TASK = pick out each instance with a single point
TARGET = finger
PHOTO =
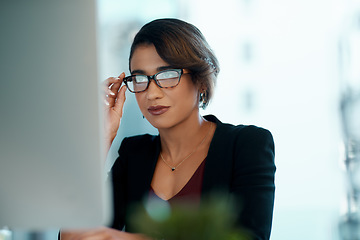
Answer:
(116, 85)
(105, 99)
(107, 85)
(112, 84)
(110, 100)
(107, 93)
(110, 89)
(111, 80)
(119, 104)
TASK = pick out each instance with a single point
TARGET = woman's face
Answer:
(163, 107)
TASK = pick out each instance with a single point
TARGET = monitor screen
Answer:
(51, 158)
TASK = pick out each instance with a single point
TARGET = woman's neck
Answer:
(177, 142)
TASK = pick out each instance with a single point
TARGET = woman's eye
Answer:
(141, 79)
(167, 75)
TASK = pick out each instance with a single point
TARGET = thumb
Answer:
(119, 104)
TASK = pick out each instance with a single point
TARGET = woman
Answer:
(173, 72)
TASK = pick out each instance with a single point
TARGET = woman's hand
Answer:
(113, 109)
(102, 233)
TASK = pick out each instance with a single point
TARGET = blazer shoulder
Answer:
(227, 135)
(253, 137)
(145, 141)
(141, 138)
(241, 129)
(252, 131)
(244, 131)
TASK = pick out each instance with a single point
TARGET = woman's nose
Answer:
(154, 91)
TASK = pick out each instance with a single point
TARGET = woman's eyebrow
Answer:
(142, 72)
(137, 72)
(164, 68)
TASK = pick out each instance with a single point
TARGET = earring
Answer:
(203, 98)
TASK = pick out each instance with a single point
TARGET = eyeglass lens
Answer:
(165, 79)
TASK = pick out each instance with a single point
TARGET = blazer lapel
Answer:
(141, 181)
(217, 174)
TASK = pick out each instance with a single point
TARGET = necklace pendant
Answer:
(173, 169)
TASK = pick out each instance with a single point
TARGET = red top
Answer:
(191, 192)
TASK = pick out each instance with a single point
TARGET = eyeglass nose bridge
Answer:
(155, 80)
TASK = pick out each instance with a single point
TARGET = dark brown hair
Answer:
(182, 45)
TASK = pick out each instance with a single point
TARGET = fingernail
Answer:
(106, 103)
(111, 93)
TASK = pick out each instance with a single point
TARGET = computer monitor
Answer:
(51, 158)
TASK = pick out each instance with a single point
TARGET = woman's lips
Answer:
(157, 110)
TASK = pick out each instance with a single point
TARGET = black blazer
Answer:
(240, 162)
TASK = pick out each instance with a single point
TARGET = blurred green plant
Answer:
(213, 220)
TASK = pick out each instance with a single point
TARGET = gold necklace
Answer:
(174, 168)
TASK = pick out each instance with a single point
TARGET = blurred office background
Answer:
(282, 69)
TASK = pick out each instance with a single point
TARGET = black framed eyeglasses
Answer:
(165, 79)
